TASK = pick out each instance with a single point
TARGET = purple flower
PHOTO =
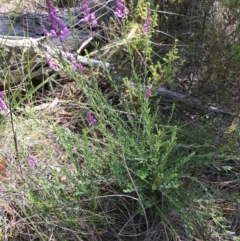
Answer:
(64, 32)
(77, 67)
(121, 11)
(33, 161)
(1, 190)
(91, 119)
(75, 64)
(88, 17)
(3, 105)
(146, 26)
(45, 32)
(129, 116)
(148, 92)
(53, 33)
(58, 27)
(72, 58)
(210, 223)
(52, 64)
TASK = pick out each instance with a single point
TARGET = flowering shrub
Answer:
(91, 119)
(33, 161)
(89, 18)
(147, 24)
(74, 64)
(129, 117)
(121, 11)
(59, 30)
(148, 92)
(52, 63)
(58, 27)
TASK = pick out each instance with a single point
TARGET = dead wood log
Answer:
(171, 96)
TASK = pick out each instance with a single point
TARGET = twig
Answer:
(14, 135)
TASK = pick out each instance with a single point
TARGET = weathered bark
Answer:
(25, 25)
(29, 24)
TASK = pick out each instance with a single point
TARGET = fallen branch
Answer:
(177, 97)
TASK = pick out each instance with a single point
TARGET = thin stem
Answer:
(14, 134)
(139, 198)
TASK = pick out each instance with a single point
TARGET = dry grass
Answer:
(35, 137)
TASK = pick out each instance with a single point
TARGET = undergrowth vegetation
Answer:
(128, 153)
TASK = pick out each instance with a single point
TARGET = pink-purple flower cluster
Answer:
(89, 18)
(33, 161)
(53, 64)
(121, 11)
(147, 25)
(3, 105)
(148, 92)
(75, 64)
(1, 190)
(91, 119)
(58, 27)
(129, 116)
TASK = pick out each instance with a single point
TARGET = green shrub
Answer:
(128, 162)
